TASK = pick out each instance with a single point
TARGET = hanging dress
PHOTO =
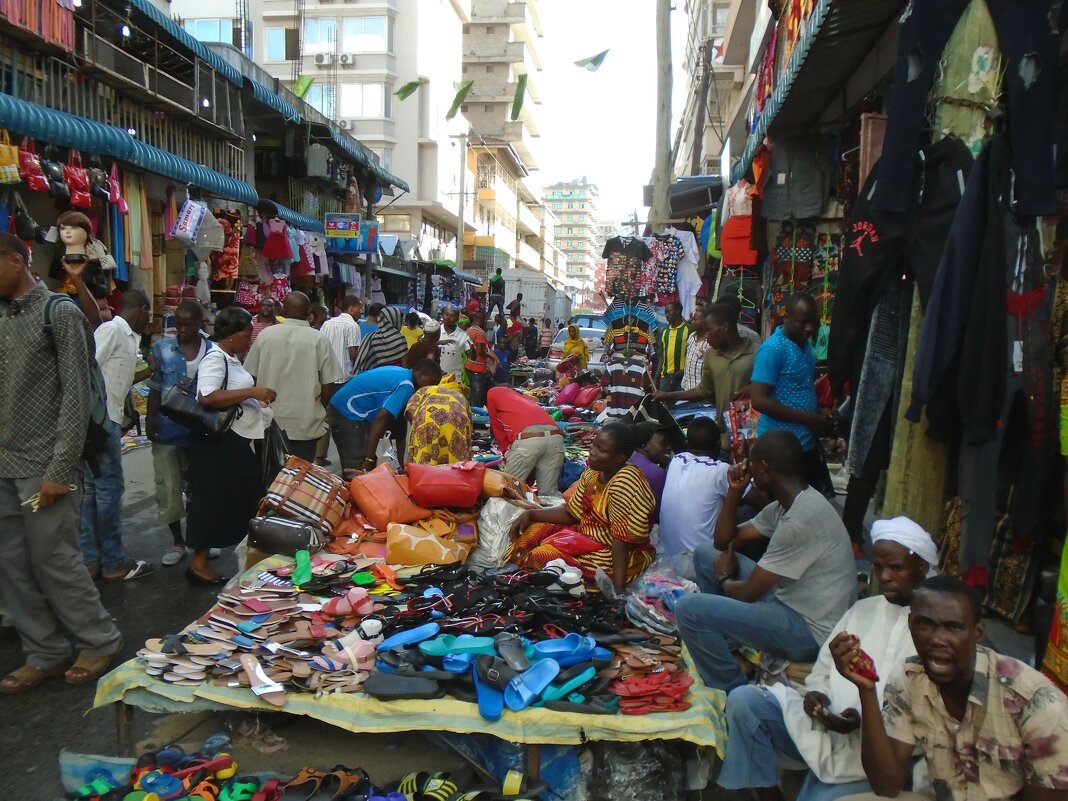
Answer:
(277, 244)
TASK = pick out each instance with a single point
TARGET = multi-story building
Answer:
(719, 77)
(498, 48)
(575, 205)
(357, 53)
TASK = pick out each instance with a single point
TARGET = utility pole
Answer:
(463, 200)
(699, 118)
(661, 211)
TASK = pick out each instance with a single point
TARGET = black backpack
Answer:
(96, 436)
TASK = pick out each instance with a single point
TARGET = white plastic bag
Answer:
(187, 225)
(210, 237)
(494, 523)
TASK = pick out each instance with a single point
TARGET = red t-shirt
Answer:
(511, 412)
(515, 327)
(476, 363)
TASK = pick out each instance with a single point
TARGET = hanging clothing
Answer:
(377, 295)
(276, 246)
(384, 346)
(625, 258)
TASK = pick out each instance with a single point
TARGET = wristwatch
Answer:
(724, 577)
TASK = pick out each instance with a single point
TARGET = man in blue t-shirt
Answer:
(375, 400)
(783, 386)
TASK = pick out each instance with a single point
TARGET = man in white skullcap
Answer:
(818, 727)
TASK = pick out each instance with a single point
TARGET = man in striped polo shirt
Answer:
(673, 348)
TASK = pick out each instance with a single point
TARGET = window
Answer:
(320, 34)
(571, 230)
(367, 35)
(322, 99)
(396, 223)
(211, 30)
(276, 44)
(365, 100)
(571, 205)
(386, 156)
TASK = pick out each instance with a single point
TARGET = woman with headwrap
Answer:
(386, 346)
(575, 345)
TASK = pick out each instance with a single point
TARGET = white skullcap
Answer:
(907, 534)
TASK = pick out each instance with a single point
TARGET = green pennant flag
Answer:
(409, 88)
(462, 88)
(520, 93)
(302, 84)
(593, 63)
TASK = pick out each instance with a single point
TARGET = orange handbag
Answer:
(380, 497)
(457, 485)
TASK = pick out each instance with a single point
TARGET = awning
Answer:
(468, 278)
(67, 130)
(272, 99)
(393, 271)
(837, 37)
(298, 220)
(232, 74)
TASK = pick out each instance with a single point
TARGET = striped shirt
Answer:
(343, 333)
(695, 361)
(673, 348)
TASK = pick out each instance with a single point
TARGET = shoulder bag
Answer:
(180, 404)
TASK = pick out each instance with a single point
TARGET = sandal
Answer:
(27, 677)
(262, 685)
(87, 668)
(131, 570)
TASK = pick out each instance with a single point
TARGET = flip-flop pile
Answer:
(172, 775)
(503, 638)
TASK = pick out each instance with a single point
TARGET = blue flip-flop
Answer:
(525, 688)
(490, 699)
(565, 646)
(446, 644)
(409, 637)
(554, 692)
(458, 663)
(598, 654)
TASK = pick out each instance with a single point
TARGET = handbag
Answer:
(9, 160)
(446, 484)
(496, 483)
(30, 167)
(115, 190)
(98, 183)
(649, 409)
(273, 450)
(77, 178)
(57, 184)
(180, 404)
(411, 545)
(272, 534)
(380, 496)
(303, 491)
(25, 227)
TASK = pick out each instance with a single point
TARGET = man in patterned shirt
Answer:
(989, 726)
(44, 415)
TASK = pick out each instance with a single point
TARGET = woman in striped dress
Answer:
(605, 524)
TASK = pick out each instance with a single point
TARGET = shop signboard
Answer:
(347, 233)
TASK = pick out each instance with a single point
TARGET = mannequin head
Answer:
(75, 231)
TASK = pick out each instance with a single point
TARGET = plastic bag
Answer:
(187, 226)
(272, 450)
(210, 237)
(494, 523)
(648, 771)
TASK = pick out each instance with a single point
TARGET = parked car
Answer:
(593, 342)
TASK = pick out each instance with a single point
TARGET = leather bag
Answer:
(458, 485)
(303, 491)
(412, 545)
(180, 404)
(9, 160)
(30, 167)
(272, 534)
(383, 500)
(77, 178)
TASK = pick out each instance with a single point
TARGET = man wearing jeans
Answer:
(45, 589)
(117, 352)
(529, 438)
(787, 603)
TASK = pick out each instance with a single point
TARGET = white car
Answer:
(593, 342)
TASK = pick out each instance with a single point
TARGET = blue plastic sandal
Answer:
(409, 637)
(525, 688)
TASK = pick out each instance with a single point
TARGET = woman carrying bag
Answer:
(225, 480)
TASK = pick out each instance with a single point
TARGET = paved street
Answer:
(37, 724)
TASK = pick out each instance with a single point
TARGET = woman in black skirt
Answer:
(225, 478)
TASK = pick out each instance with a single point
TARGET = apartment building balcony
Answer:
(528, 221)
(493, 52)
(527, 256)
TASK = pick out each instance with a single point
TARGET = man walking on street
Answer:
(452, 344)
(118, 351)
(172, 359)
(44, 414)
(344, 335)
(298, 363)
(673, 348)
(529, 438)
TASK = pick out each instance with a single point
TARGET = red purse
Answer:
(456, 485)
(77, 178)
(30, 167)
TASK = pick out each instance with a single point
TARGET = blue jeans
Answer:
(100, 533)
(711, 624)
(759, 745)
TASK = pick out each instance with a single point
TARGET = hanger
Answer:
(851, 150)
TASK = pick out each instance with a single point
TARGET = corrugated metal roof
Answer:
(66, 130)
(838, 36)
(301, 221)
(231, 73)
(273, 100)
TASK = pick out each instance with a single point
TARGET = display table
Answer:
(129, 687)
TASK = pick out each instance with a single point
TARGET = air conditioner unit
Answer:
(347, 60)
(343, 124)
(324, 59)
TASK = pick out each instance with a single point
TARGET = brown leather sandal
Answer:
(27, 677)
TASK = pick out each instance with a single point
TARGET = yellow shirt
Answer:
(411, 335)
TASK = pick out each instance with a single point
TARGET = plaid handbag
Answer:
(302, 491)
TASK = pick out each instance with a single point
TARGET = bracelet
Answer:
(724, 577)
